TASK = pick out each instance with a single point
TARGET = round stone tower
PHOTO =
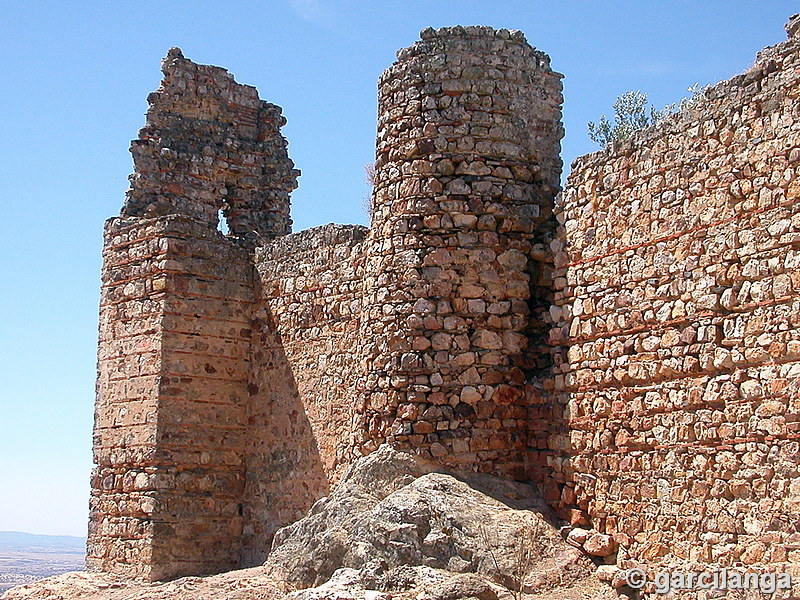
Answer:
(467, 168)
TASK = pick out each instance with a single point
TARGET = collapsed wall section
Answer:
(210, 145)
(466, 170)
(677, 330)
(305, 373)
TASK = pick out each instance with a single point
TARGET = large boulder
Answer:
(393, 514)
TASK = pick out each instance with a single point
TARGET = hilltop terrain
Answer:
(26, 557)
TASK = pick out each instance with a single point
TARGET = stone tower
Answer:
(170, 420)
(640, 359)
(466, 174)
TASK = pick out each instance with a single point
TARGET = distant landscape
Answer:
(25, 557)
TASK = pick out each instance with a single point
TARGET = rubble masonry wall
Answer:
(173, 397)
(631, 346)
(675, 330)
(305, 375)
(170, 418)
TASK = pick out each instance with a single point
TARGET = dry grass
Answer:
(528, 546)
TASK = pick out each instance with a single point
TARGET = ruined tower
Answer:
(170, 421)
(632, 345)
(466, 173)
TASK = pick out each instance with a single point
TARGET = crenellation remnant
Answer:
(210, 145)
(629, 345)
(793, 26)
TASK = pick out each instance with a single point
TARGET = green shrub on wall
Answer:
(632, 113)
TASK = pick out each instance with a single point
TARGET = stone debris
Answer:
(599, 544)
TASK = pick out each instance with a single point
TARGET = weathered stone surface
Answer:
(247, 584)
(599, 544)
(210, 146)
(303, 372)
(170, 419)
(391, 511)
(424, 583)
(676, 299)
(466, 173)
(416, 583)
(577, 537)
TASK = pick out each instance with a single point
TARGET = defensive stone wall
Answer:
(305, 373)
(631, 346)
(675, 330)
(274, 359)
(169, 442)
(175, 326)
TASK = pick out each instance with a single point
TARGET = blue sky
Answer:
(75, 79)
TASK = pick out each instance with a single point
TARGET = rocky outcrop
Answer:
(247, 584)
(392, 517)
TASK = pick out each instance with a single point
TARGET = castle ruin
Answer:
(630, 345)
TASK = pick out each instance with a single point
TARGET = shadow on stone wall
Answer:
(548, 441)
(285, 475)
